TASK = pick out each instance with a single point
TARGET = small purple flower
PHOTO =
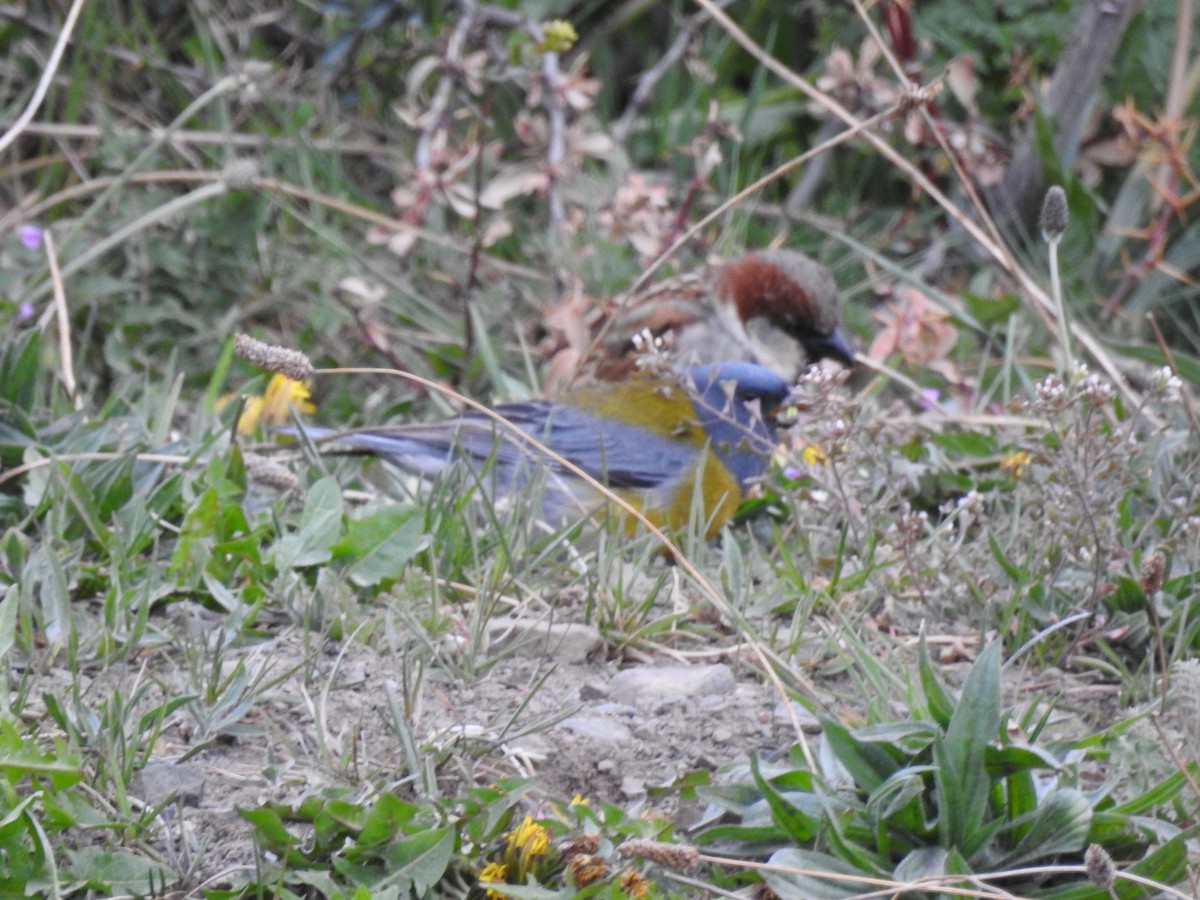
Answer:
(25, 311)
(929, 398)
(791, 473)
(30, 235)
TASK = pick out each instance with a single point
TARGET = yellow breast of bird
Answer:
(665, 409)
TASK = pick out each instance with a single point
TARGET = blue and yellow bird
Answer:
(661, 443)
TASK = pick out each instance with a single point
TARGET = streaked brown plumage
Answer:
(776, 308)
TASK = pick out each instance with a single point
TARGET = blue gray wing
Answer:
(619, 455)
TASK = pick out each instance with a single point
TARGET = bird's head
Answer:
(786, 291)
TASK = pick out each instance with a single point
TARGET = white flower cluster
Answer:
(1051, 390)
(1164, 381)
(1056, 393)
(1097, 390)
(653, 353)
(646, 341)
(1079, 371)
(838, 429)
(971, 502)
(818, 376)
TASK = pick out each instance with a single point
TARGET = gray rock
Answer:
(808, 722)
(164, 781)
(632, 787)
(593, 690)
(567, 642)
(598, 728)
(647, 687)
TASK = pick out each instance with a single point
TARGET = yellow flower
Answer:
(275, 404)
(558, 36)
(527, 843)
(1016, 462)
(580, 800)
(493, 873)
(812, 455)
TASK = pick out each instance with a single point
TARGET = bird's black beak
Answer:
(831, 346)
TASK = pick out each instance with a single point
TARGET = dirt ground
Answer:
(553, 706)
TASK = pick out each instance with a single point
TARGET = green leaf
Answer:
(740, 834)
(84, 503)
(799, 827)
(1059, 824)
(963, 784)
(1004, 761)
(418, 863)
(23, 844)
(20, 757)
(1010, 569)
(897, 793)
(794, 885)
(991, 310)
(1166, 865)
(1188, 367)
(389, 816)
(923, 862)
(20, 371)
(271, 834)
(975, 444)
(112, 484)
(118, 871)
(8, 623)
(868, 764)
(320, 528)
(376, 548)
(941, 706)
(1022, 797)
(1128, 597)
(1160, 795)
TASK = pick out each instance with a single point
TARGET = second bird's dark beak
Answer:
(831, 346)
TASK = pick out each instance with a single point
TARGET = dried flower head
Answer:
(582, 845)
(674, 856)
(240, 174)
(1154, 570)
(635, 885)
(292, 363)
(586, 868)
(1055, 214)
(268, 473)
(1100, 868)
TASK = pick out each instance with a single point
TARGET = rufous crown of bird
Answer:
(777, 308)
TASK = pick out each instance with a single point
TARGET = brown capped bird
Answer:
(777, 308)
